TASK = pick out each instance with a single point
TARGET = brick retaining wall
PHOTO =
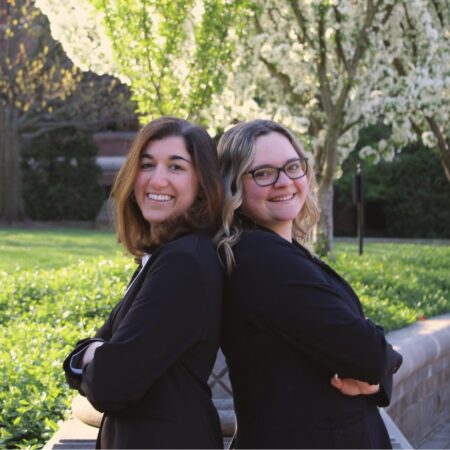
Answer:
(421, 397)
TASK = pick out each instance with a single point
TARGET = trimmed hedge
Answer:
(397, 283)
(61, 177)
(42, 314)
(408, 197)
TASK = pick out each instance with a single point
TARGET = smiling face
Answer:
(276, 206)
(167, 183)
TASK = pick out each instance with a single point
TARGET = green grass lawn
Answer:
(397, 282)
(25, 249)
(57, 286)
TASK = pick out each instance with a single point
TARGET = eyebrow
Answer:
(265, 166)
(171, 157)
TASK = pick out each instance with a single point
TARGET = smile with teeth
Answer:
(160, 197)
(283, 198)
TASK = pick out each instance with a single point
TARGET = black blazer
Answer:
(150, 376)
(291, 323)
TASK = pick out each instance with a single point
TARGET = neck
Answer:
(284, 231)
(285, 234)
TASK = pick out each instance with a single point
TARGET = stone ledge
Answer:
(76, 435)
(421, 343)
(421, 396)
(73, 434)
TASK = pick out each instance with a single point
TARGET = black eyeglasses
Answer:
(268, 175)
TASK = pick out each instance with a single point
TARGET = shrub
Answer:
(418, 204)
(61, 177)
(397, 283)
(42, 314)
(407, 197)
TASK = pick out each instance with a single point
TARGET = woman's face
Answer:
(167, 183)
(276, 206)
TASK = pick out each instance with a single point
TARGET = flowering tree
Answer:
(325, 68)
(328, 68)
(174, 54)
(417, 102)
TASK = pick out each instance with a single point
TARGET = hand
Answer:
(352, 387)
(88, 354)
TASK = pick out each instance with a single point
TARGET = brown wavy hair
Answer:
(133, 231)
(236, 152)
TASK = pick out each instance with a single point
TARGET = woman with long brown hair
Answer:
(147, 367)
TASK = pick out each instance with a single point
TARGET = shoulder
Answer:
(194, 248)
(264, 254)
(190, 243)
(260, 244)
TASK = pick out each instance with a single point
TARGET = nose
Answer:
(158, 178)
(283, 180)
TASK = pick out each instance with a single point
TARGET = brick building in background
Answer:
(113, 147)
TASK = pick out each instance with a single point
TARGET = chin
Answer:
(152, 220)
(289, 215)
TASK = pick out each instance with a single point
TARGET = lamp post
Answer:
(358, 198)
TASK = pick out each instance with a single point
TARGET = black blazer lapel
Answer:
(133, 288)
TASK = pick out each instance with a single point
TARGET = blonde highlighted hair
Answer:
(136, 234)
(236, 152)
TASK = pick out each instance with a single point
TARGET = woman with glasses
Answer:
(308, 370)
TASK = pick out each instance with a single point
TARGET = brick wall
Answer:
(421, 396)
(113, 147)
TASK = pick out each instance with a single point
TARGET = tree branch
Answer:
(388, 13)
(350, 125)
(438, 12)
(357, 55)
(339, 49)
(412, 33)
(148, 59)
(326, 95)
(283, 79)
(302, 22)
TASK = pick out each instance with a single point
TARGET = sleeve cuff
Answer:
(75, 365)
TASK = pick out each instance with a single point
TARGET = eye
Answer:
(294, 167)
(147, 165)
(175, 167)
(264, 173)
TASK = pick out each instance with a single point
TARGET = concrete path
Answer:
(438, 439)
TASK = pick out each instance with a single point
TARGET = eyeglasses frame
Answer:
(279, 169)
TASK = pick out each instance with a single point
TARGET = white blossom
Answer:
(429, 139)
(78, 26)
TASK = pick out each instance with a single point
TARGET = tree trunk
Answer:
(443, 144)
(325, 171)
(11, 198)
(324, 233)
(445, 159)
